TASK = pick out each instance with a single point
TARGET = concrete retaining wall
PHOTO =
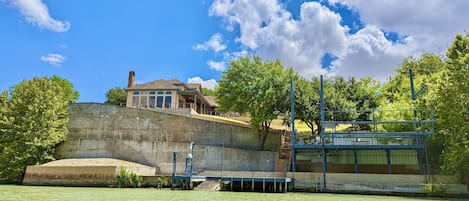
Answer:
(82, 172)
(374, 183)
(150, 137)
(70, 176)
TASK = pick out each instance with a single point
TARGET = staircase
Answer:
(283, 163)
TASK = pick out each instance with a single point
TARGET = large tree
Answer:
(33, 123)
(260, 89)
(116, 96)
(397, 91)
(337, 105)
(451, 103)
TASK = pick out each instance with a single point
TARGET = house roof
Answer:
(211, 101)
(194, 86)
(158, 84)
(174, 84)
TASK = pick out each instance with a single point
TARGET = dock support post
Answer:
(275, 184)
(231, 184)
(252, 184)
(242, 189)
(286, 186)
(263, 184)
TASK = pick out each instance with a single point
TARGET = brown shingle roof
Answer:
(158, 84)
(194, 86)
(211, 101)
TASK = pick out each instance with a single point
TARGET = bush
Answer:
(158, 182)
(435, 189)
(127, 179)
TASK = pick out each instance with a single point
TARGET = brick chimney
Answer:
(131, 82)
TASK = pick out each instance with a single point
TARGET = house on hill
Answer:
(168, 94)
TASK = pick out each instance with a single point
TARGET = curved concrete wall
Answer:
(149, 137)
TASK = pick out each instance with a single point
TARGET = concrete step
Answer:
(208, 185)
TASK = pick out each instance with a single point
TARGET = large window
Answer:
(144, 99)
(167, 101)
(159, 99)
(135, 99)
(152, 100)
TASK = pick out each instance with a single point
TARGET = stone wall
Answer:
(150, 137)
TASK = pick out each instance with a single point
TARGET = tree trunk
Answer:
(263, 132)
(319, 126)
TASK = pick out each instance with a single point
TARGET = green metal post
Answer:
(324, 157)
(293, 134)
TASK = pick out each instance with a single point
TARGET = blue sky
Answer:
(95, 43)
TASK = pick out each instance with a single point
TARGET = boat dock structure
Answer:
(239, 183)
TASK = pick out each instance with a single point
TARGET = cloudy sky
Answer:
(95, 43)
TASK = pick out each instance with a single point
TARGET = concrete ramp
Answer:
(208, 185)
(82, 172)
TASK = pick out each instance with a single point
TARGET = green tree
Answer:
(451, 103)
(70, 94)
(116, 96)
(397, 91)
(397, 88)
(208, 92)
(34, 123)
(366, 95)
(307, 102)
(336, 103)
(251, 86)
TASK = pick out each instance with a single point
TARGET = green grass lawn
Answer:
(13, 192)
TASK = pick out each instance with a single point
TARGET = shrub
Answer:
(435, 189)
(126, 178)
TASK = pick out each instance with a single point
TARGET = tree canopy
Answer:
(208, 92)
(260, 89)
(451, 102)
(116, 96)
(33, 120)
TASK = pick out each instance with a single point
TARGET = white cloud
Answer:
(37, 13)
(267, 28)
(369, 53)
(270, 30)
(209, 84)
(214, 43)
(54, 59)
(218, 66)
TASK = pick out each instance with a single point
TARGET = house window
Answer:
(159, 101)
(152, 100)
(167, 101)
(144, 99)
(135, 99)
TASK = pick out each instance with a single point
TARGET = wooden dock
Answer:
(243, 181)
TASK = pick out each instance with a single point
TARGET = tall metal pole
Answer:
(412, 91)
(222, 157)
(174, 163)
(324, 158)
(413, 96)
(293, 134)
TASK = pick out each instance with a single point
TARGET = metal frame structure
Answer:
(422, 127)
